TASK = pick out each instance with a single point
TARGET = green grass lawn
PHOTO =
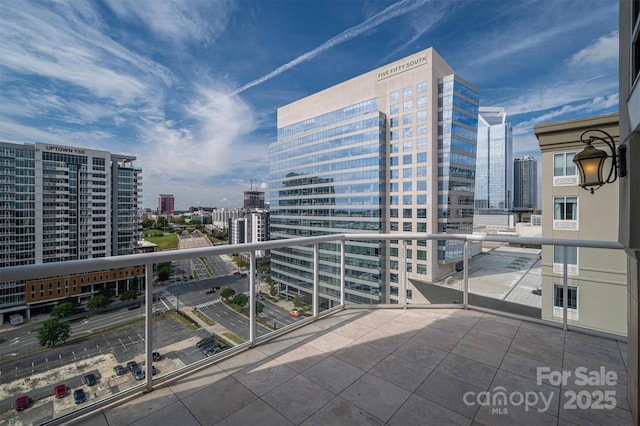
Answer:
(165, 242)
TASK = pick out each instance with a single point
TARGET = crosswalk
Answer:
(208, 303)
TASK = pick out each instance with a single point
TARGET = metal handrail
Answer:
(26, 272)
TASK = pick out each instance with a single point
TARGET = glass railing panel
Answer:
(504, 278)
(73, 351)
(285, 294)
(596, 287)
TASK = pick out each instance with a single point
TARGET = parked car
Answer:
(210, 291)
(156, 356)
(119, 370)
(138, 374)
(236, 273)
(154, 370)
(205, 341)
(260, 297)
(90, 380)
(60, 391)
(79, 396)
(131, 365)
(212, 350)
(22, 402)
(294, 313)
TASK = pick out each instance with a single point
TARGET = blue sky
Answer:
(191, 87)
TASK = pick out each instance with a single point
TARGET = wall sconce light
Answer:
(590, 161)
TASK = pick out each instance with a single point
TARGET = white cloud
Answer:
(67, 48)
(216, 145)
(176, 20)
(603, 50)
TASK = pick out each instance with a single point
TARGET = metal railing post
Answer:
(403, 274)
(465, 275)
(148, 324)
(252, 297)
(342, 272)
(565, 287)
(316, 279)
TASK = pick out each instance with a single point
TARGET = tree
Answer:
(129, 295)
(263, 267)
(63, 309)
(296, 301)
(161, 223)
(241, 262)
(259, 307)
(240, 299)
(53, 331)
(227, 293)
(147, 223)
(98, 301)
(272, 289)
(164, 271)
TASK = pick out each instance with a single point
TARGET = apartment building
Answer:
(63, 203)
(597, 278)
(392, 150)
(166, 205)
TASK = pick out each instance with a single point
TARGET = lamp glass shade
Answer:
(590, 162)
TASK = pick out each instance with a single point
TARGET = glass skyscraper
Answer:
(392, 150)
(494, 170)
(525, 183)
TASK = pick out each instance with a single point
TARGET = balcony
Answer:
(357, 364)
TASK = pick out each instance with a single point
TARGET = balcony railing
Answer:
(150, 340)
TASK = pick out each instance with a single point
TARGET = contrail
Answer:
(385, 15)
(393, 11)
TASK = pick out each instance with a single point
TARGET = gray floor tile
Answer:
(330, 342)
(422, 355)
(145, 405)
(211, 405)
(256, 412)
(298, 399)
(524, 366)
(476, 373)
(333, 374)
(382, 341)
(193, 383)
(264, 377)
(451, 326)
(545, 353)
(376, 396)
(590, 417)
(490, 355)
(450, 392)
(436, 339)
(174, 414)
(400, 372)
(361, 356)
(301, 357)
(419, 411)
(340, 412)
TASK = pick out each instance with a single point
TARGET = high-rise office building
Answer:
(64, 203)
(494, 170)
(253, 200)
(392, 150)
(166, 206)
(525, 183)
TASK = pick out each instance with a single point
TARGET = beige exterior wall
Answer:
(600, 275)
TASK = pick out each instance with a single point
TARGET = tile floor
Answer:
(397, 367)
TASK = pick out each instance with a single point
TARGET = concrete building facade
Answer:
(392, 150)
(597, 278)
(63, 203)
